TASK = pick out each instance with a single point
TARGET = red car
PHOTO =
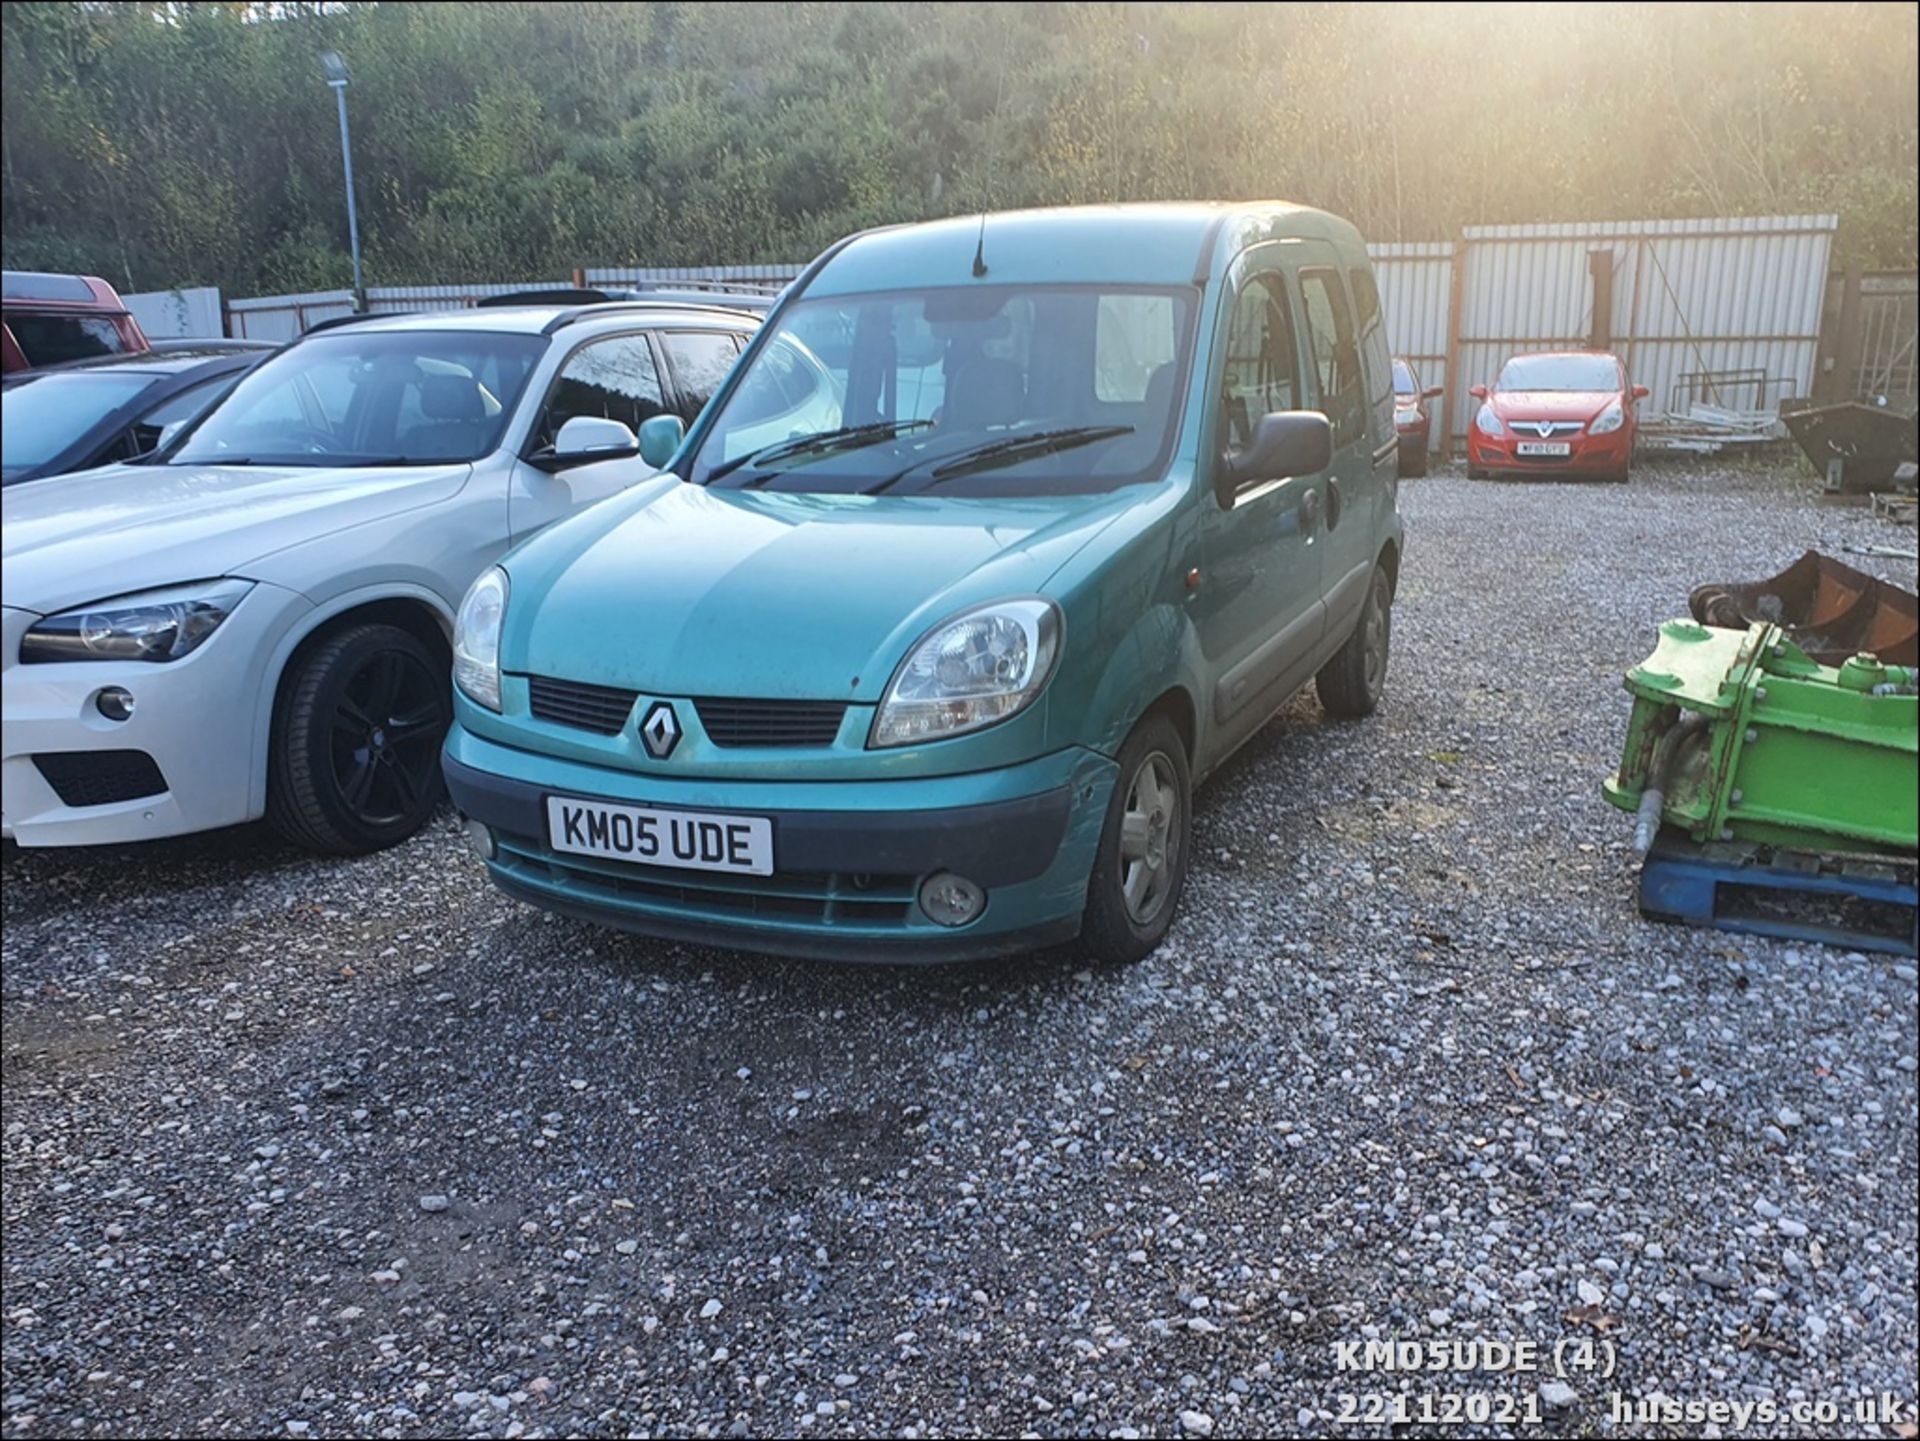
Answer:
(1558, 412)
(1412, 421)
(51, 319)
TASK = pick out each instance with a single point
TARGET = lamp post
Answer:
(337, 75)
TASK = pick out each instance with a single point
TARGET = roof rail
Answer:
(743, 298)
(557, 295)
(334, 322)
(588, 312)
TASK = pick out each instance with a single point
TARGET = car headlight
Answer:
(1608, 420)
(476, 639)
(1405, 414)
(974, 670)
(1488, 422)
(152, 625)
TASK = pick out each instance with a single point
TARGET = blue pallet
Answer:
(1862, 903)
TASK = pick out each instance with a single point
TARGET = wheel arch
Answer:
(415, 609)
(1390, 562)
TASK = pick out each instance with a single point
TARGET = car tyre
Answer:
(355, 757)
(1141, 866)
(1352, 682)
(1414, 469)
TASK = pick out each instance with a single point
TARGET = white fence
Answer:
(178, 314)
(1727, 310)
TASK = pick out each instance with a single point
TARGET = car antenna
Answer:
(980, 250)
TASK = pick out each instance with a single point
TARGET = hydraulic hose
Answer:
(1653, 797)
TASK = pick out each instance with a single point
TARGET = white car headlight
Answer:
(974, 670)
(476, 639)
(1608, 420)
(1488, 422)
(153, 625)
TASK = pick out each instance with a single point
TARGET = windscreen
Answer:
(1403, 381)
(350, 397)
(977, 390)
(1560, 372)
(42, 417)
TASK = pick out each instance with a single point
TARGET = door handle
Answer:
(1309, 510)
(1336, 503)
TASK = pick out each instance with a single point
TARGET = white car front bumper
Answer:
(201, 722)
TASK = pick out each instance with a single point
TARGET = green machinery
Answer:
(1736, 736)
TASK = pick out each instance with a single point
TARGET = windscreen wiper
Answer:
(1009, 451)
(827, 442)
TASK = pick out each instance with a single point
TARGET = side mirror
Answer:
(591, 437)
(1285, 442)
(660, 437)
(1478, 392)
(1433, 392)
(1640, 392)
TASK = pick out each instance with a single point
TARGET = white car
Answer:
(256, 620)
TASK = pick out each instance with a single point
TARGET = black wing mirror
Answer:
(1284, 442)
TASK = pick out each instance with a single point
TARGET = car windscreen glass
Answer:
(1403, 381)
(352, 397)
(1560, 372)
(42, 417)
(988, 390)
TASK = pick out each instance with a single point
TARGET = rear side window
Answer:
(1336, 354)
(700, 361)
(1262, 369)
(1374, 354)
(612, 379)
(50, 339)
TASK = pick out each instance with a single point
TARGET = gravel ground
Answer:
(322, 1148)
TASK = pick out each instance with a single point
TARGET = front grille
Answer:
(823, 900)
(99, 778)
(600, 708)
(735, 723)
(1530, 429)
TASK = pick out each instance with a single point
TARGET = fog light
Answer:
(114, 703)
(479, 839)
(951, 900)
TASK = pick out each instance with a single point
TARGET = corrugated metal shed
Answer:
(1691, 299)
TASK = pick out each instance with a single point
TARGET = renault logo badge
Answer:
(660, 731)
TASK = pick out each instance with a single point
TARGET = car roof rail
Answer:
(644, 307)
(334, 322)
(740, 297)
(555, 295)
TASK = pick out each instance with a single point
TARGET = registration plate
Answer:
(686, 840)
(1544, 447)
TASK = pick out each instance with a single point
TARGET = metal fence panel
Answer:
(1416, 283)
(1690, 297)
(190, 313)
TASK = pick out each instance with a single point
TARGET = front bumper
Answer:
(197, 721)
(849, 856)
(1587, 454)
